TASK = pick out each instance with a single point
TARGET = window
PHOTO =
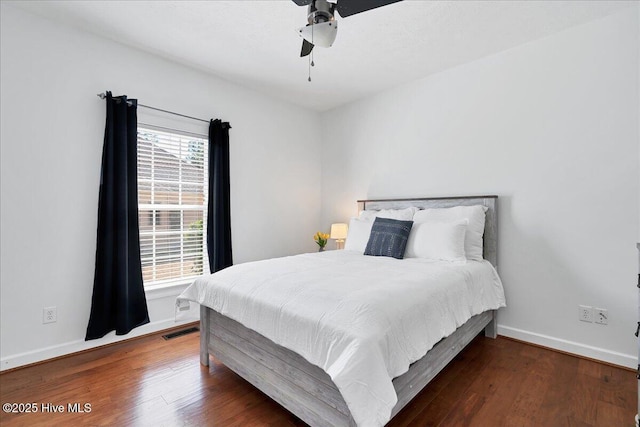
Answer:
(172, 204)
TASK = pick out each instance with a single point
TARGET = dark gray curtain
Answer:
(118, 301)
(219, 208)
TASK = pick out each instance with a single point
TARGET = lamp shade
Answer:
(339, 231)
(321, 34)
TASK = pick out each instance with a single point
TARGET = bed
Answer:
(304, 388)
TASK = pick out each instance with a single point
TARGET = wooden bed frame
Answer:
(305, 389)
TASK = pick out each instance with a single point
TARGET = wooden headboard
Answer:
(490, 241)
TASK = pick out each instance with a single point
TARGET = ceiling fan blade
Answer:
(302, 2)
(351, 7)
(306, 48)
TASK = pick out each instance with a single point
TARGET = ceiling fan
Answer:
(322, 27)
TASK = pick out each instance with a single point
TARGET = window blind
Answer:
(172, 205)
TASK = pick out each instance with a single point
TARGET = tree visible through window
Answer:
(172, 203)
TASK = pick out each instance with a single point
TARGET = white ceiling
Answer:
(254, 43)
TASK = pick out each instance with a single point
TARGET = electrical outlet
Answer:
(49, 315)
(601, 316)
(585, 313)
(183, 305)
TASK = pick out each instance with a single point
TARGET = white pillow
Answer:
(442, 241)
(358, 235)
(400, 214)
(475, 230)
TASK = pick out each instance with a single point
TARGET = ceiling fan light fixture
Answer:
(322, 34)
(322, 26)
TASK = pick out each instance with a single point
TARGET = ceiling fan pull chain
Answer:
(312, 64)
(311, 56)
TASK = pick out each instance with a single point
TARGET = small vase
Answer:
(321, 249)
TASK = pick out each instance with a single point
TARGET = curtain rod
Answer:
(103, 96)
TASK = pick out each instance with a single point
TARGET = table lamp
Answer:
(339, 233)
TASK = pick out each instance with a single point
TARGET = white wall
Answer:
(52, 125)
(552, 128)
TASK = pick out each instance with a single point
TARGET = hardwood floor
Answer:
(153, 382)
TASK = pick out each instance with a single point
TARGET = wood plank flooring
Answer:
(153, 382)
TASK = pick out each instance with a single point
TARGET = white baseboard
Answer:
(21, 359)
(608, 356)
(39, 355)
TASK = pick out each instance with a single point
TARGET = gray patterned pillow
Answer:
(388, 238)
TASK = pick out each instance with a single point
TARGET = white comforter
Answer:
(362, 319)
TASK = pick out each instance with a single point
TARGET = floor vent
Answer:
(181, 333)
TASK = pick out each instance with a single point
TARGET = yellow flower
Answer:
(321, 238)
